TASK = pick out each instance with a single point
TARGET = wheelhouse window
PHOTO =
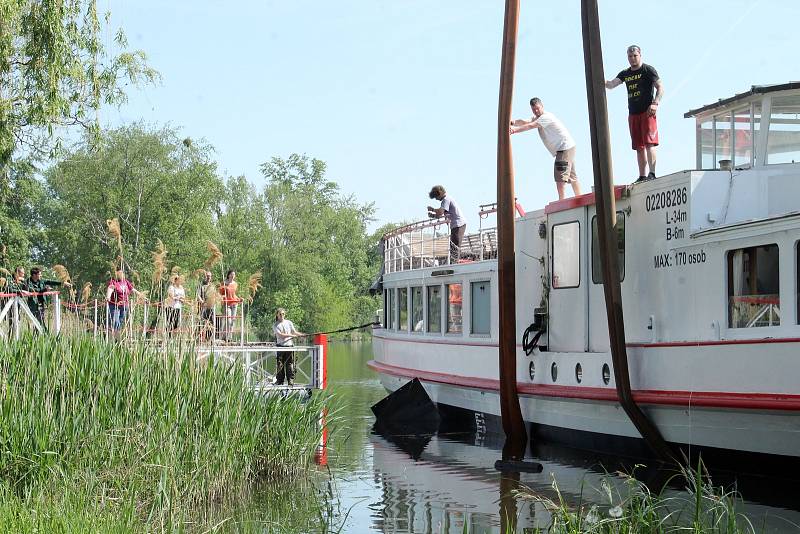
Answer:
(566, 255)
(454, 301)
(480, 308)
(742, 137)
(783, 139)
(416, 309)
(597, 273)
(753, 288)
(402, 304)
(435, 309)
(706, 142)
(722, 138)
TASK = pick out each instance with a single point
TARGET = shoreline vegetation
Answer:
(100, 437)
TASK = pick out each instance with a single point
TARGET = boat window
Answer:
(566, 255)
(402, 304)
(416, 309)
(783, 140)
(391, 312)
(742, 137)
(753, 290)
(706, 144)
(454, 308)
(597, 273)
(435, 309)
(386, 308)
(480, 307)
(722, 139)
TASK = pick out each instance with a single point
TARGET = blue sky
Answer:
(398, 96)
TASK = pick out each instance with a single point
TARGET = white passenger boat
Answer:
(710, 269)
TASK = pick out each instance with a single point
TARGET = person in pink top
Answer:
(118, 295)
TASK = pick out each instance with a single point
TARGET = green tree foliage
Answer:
(157, 185)
(308, 240)
(54, 71)
(317, 255)
(20, 227)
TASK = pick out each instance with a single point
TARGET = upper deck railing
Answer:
(426, 243)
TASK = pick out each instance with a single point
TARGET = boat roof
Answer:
(754, 90)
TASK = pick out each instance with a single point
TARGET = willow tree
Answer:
(55, 72)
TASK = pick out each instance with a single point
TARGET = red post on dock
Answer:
(321, 340)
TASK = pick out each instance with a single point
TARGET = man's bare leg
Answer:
(560, 188)
(651, 159)
(641, 158)
(576, 188)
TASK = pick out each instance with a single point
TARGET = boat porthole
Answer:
(578, 373)
(554, 371)
(606, 374)
(532, 370)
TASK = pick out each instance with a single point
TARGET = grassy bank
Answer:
(100, 437)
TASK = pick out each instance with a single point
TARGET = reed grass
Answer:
(127, 439)
(701, 507)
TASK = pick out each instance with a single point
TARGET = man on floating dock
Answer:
(640, 79)
(458, 224)
(557, 140)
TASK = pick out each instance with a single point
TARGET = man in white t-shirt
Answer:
(557, 140)
(449, 208)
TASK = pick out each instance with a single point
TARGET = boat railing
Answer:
(424, 244)
(749, 311)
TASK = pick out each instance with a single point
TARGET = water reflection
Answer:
(447, 483)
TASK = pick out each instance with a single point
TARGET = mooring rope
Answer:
(365, 325)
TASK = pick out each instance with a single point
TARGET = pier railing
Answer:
(145, 320)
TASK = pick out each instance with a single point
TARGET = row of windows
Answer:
(444, 305)
(566, 266)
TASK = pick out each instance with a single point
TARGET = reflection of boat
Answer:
(453, 482)
(710, 269)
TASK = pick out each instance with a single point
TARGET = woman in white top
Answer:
(176, 295)
(285, 332)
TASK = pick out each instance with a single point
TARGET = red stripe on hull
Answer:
(702, 399)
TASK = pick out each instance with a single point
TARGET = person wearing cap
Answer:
(640, 80)
(451, 211)
(557, 140)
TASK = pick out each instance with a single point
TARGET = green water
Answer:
(380, 486)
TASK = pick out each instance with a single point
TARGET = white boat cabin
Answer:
(705, 255)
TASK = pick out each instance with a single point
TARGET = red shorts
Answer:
(644, 130)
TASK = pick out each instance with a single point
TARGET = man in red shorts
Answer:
(640, 79)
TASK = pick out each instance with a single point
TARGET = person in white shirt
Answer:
(176, 295)
(557, 140)
(285, 332)
(458, 224)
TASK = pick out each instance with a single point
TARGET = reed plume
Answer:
(253, 285)
(4, 271)
(159, 262)
(62, 274)
(212, 296)
(214, 255)
(86, 292)
(175, 270)
(3, 282)
(198, 273)
(114, 230)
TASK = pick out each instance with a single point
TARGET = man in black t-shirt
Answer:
(640, 79)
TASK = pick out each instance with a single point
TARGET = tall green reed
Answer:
(138, 434)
